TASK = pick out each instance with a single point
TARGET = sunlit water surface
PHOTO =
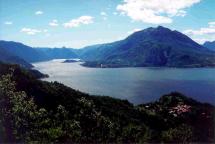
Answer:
(138, 85)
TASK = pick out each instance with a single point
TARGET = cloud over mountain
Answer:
(155, 11)
(202, 34)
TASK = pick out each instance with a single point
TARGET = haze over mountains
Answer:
(210, 45)
(7, 57)
(58, 53)
(150, 47)
(14, 52)
(27, 53)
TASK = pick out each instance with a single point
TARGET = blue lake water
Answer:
(138, 85)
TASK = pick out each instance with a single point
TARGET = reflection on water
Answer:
(138, 85)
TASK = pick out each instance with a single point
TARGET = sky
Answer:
(79, 23)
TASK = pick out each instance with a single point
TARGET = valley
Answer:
(155, 86)
(107, 71)
(151, 47)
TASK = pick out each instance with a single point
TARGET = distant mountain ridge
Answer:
(25, 52)
(7, 57)
(18, 53)
(150, 47)
(58, 53)
(210, 45)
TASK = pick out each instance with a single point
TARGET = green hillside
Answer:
(152, 47)
(42, 112)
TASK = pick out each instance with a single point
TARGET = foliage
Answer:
(182, 133)
(25, 122)
(34, 111)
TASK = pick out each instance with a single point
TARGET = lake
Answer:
(138, 85)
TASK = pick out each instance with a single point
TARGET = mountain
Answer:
(27, 53)
(156, 47)
(22, 54)
(210, 45)
(58, 53)
(7, 57)
(35, 111)
(7, 67)
(150, 47)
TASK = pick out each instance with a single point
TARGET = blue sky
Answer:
(78, 23)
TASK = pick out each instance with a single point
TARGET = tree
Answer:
(182, 133)
(21, 120)
(20, 117)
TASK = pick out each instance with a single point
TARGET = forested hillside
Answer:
(151, 47)
(36, 111)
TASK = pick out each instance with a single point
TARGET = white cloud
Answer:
(8, 23)
(30, 31)
(83, 20)
(54, 23)
(103, 13)
(211, 24)
(200, 40)
(202, 34)
(155, 11)
(202, 31)
(133, 31)
(38, 12)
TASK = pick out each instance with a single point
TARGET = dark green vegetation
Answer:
(37, 111)
(35, 73)
(210, 45)
(150, 47)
